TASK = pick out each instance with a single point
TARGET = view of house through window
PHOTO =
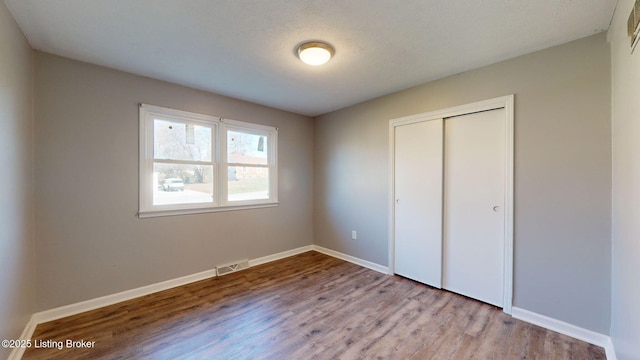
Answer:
(182, 166)
(248, 170)
(193, 163)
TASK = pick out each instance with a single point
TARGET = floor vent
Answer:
(232, 267)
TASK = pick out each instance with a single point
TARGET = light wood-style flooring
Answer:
(309, 306)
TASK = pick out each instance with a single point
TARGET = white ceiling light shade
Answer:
(315, 52)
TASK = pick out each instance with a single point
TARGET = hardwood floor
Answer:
(310, 306)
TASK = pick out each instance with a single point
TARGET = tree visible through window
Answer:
(193, 163)
(182, 165)
(249, 151)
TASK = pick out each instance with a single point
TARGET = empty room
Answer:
(320, 179)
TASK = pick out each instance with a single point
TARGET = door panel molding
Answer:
(473, 218)
(419, 155)
(505, 102)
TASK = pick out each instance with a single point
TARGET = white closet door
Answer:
(475, 153)
(418, 207)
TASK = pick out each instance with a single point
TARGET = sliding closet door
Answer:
(474, 190)
(418, 201)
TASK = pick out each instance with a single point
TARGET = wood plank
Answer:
(309, 306)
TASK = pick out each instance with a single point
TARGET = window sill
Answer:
(159, 213)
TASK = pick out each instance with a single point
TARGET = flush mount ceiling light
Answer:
(315, 52)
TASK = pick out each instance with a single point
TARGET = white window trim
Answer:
(272, 160)
(219, 162)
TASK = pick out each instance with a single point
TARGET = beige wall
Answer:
(90, 241)
(16, 201)
(562, 174)
(625, 299)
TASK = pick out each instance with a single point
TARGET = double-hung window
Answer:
(192, 163)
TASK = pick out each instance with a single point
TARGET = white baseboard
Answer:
(351, 259)
(609, 349)
(562, 327)
(281, 255)
(16, 353)
(73, 309)
(80, 307)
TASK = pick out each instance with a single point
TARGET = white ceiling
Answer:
(245, 48)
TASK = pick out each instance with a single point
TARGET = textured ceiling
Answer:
(245, 48)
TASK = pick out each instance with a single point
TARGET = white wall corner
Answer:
(16, 353)
(610, 349)
(564, 328)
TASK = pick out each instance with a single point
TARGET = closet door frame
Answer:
(505, 102)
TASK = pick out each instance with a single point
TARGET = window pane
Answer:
(246, 148)
(182, 184)
(180, 141)
(248, 183)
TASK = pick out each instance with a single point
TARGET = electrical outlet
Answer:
(354, 235)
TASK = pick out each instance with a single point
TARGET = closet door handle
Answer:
(496, 208)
